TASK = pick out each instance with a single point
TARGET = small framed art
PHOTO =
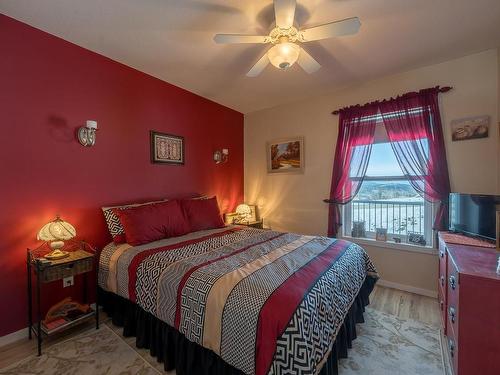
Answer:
(381, 234)
(285, 155)
(470, 128)
(166, 148)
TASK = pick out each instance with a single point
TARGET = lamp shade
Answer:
(244, 212)
(56, 230)
(284, 55)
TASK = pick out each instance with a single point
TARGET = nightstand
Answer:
(254, 224)
(80, 261)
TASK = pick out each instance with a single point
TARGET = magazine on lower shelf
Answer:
(61, 323)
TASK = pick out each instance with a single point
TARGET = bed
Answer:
(239, 300)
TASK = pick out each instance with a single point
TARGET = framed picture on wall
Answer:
(285, 155)
(166, 148)
(470, 128)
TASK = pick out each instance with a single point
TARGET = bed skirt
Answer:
(172, 348)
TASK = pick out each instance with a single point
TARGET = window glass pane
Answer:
(390, 204)
(394, 190)
(383, 162)
(386, 200)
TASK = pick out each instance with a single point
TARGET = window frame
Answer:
(429, 207)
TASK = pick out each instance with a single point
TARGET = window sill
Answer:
(392, 245)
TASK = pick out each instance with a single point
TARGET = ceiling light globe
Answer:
(284, 55)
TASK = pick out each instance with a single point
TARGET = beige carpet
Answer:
(90, 353)
(386, 345)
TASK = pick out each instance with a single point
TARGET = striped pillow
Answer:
(115, 226)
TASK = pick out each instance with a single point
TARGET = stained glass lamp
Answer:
(244, 213)
(56, 232)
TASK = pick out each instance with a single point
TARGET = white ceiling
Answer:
(172, 40)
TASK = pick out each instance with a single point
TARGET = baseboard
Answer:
(14, 336)
(408, 288)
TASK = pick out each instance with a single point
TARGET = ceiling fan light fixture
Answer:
(284, 55)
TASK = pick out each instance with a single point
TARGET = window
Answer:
(387, 200)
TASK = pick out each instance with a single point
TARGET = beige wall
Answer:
(498, 124)
(293, 202)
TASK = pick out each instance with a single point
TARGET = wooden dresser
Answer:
(469, 297)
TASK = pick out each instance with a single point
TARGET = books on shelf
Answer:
(62, 323)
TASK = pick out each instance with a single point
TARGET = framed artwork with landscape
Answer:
(166, 148)
(285, 155)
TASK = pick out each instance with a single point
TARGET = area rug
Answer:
(90, 353)
(388, 345)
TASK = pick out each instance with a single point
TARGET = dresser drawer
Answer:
(442, 308)
(443, 264)
(453, 284)
(452, 346)
(452, 318)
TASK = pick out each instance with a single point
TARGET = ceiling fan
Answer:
(285, 38)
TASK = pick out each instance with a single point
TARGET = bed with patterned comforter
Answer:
(265, 302)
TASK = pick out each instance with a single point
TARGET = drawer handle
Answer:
(441, 304)
(453, 282)
(442, 280)
(451, 344)
(441, 254)
(452, 314)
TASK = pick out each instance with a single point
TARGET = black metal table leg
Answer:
(97, 293)
(30, 301)
(85, 286)
(39, 312)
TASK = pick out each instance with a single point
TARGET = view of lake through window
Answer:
(387, 200)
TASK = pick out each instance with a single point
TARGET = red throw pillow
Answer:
(203, 214)
(153, 222)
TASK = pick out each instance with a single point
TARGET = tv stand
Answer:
(469, 298)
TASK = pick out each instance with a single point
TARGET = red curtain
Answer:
(352, 153)
(413, 125)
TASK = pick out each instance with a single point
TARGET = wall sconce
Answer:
(86, 134)
(221, 156)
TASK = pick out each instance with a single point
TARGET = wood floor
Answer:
(406, 305)
(402, 304)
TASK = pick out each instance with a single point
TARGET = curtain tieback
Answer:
(332, 201)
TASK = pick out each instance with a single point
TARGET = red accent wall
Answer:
(49, 88)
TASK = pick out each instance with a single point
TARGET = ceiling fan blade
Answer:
(237, 38)
(329, 30)
(259, 66)
(284, 11)
(307, 62)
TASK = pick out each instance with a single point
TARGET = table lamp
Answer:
(56, 232)
(244, 213)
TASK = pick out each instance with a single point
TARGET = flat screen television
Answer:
(474, 215)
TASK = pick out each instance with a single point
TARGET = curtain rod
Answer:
(441, 89)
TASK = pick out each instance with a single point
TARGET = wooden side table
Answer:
(254, 224)
(81, 260)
